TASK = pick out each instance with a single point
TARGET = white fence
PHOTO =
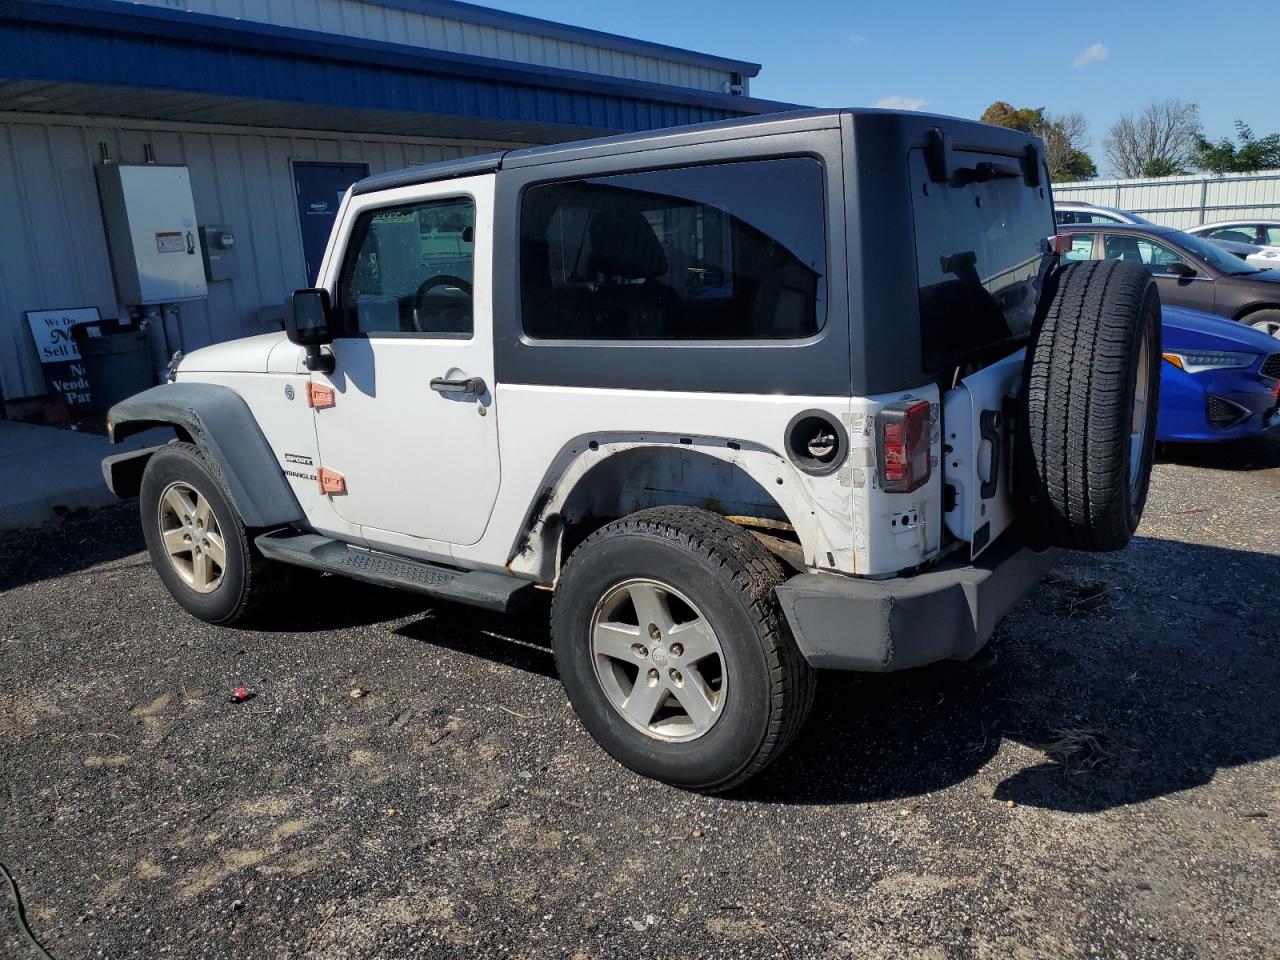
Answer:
(1185, 201)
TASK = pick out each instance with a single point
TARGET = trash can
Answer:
(116, 358)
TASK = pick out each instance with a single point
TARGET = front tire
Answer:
(197, 541)
(673, 651)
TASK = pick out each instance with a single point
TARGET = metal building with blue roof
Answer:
(274, 109)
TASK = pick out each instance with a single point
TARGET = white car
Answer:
(1077, 211)
(1262, 234)
(748, 397)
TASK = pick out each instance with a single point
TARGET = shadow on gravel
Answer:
(1126, 697)
(59, 548)
(519, 640)
(319, 603)
(1255, 453)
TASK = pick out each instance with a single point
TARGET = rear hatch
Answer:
(983, 217)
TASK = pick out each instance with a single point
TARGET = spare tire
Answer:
(1090, 394)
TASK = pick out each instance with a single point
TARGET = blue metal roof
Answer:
(503, 20)
(102, 42)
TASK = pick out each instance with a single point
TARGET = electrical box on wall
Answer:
(150, 218)
(218, 244)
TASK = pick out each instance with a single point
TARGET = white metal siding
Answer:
(1185, 201)
(372, 21)
(53, 247)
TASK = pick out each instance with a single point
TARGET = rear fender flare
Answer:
(220, 423)
(536, 552)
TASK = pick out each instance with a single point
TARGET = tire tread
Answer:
(754, 572)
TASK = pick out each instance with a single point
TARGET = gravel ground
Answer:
(1109, 787)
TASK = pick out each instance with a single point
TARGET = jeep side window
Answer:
(408, 270)
(717, 252)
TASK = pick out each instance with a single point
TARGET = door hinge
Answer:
(319, 397)
(331, 481)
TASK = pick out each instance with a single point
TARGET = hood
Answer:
(246, 355)
(1192, 330)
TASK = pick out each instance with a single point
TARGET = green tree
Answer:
(1002, 114)
(1226, 157)
(1064, 138)
(1162, 167)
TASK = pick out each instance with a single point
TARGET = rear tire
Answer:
(1090, 397)
(183, 503)
(714, 576)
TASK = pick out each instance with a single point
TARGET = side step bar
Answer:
(492, 591)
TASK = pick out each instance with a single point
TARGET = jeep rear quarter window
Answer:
(980, 247)
(722, 251)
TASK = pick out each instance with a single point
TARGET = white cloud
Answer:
(1094, 53)
(901, 103)
(858, 38)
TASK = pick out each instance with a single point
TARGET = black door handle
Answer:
(470, 386)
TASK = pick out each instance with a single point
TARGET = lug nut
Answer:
(653, 677)
(654, 632)
(639, 649)
(676, 678)
(677, 649)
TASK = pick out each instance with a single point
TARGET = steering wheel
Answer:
(449, 320)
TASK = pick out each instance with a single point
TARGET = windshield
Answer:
(1212, 254)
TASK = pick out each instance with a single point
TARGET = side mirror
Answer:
(307, 318)
(308, 322)
(1180, 269)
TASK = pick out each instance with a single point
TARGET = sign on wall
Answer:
(63, 371)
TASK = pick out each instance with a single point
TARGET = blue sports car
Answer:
(1220, 379)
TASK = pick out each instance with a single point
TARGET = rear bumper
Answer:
(948, 613)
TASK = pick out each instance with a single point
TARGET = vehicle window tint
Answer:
(1099, 218)
(1271, 236)
(1081, 248)
(981, 247)
(409, 269)
(717, 252)
(1140, 250)
(1237, 234)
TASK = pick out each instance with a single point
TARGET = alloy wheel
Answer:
(192, 537)
(658, 660)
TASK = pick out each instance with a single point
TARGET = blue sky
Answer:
(1098, 59)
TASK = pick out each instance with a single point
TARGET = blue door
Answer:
(320, 187)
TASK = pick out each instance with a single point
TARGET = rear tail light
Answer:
(902, 432)
(1060, 243)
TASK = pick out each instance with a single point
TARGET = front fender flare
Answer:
(220, 423)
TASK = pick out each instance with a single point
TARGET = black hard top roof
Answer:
(792, 121)
(600, 146)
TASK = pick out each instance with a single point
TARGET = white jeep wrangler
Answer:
(753, 398)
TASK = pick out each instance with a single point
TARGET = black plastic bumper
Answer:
(845, 623)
